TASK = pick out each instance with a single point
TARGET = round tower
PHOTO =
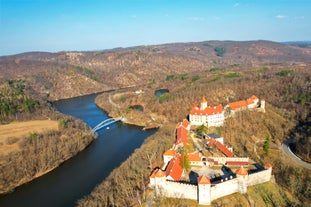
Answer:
(203, 104)
(242, 176)
(204, 190)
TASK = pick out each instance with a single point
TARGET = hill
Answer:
(222, 71)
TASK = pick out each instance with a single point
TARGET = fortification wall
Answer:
(259, 177)
(179, 190)
(223, 189)
(230, 159)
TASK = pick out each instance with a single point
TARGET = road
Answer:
(285, 148)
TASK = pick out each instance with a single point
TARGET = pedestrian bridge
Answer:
(106, 123)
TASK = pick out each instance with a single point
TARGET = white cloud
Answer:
(279, 16)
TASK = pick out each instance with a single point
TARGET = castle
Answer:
(215, 115)
(201, 183)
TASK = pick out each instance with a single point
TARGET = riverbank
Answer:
(40, 149)
(109, 102)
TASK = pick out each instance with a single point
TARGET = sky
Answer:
(87, 25)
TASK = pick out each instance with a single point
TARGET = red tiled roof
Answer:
(174, 169)
(268, 165)
(207, 111)
(204, 180)
(211, 142)
(203, 100)
(241, 171)
(182, 135)
(159, 174)
(185, 123)
(170, 152)
(154, 173)
(194, 157)
(224, 149)
(238, 104)
(253, 97)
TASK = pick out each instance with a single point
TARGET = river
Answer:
(78, 176)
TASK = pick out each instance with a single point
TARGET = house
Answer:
(207, 115)
(215, 115)
(174, 170)
(182, 130)
(168, 155)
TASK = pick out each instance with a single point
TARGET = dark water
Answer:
(78, 176)
(160, 92)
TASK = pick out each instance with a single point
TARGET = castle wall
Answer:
(223, 189)
(230, 159)
(259, 177)
(179, 190)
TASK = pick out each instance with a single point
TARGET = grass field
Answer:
(10, 134)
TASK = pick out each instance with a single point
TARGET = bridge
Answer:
(106, 122)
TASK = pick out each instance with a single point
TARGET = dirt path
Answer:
(11, 133)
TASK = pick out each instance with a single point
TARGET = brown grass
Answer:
(10, 134)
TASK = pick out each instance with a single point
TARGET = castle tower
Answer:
(268, 167)
(203, 104)
(204, 190)
(262, 105)
(160, 181)
(242, 176)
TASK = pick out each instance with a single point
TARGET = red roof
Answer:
(253, 97)
(268, 165)
(211, 142)
(207, 111)
(174, 169)
(182, 135)
(159, 174)
(203, 100)
(170, 152)
(204, 180)
(185, 123)
(194, 157)
(241, 171)
(224, 149)
(238, 104)
(154, 173)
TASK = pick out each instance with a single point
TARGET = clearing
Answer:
(10, 134)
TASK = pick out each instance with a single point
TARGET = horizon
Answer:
(116, 48)
(56, 26)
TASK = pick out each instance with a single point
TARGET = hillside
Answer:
(221, 71)
(96, 71)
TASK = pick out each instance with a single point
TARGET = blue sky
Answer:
(71, 25)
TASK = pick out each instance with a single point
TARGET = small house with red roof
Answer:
(174, 169)
(168, 155)
(182, 130)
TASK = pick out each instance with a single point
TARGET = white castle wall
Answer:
(179, 190)
(230, 159)
(223, 189)
(259, 177)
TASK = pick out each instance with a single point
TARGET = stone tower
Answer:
(160, 182)
(203, 104)
(268, 167)
(204, 190)
(242, 176)
(262, 105)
